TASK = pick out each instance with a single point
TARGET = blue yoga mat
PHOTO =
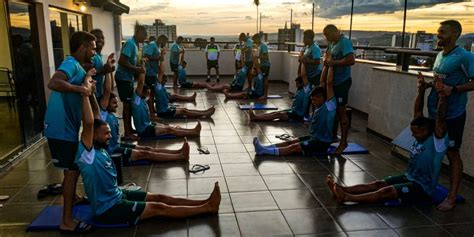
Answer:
(352, 148)
(439, 195)
(258, 107)
(274, 97)
(50, 218)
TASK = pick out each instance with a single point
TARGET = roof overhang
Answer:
(114, 6)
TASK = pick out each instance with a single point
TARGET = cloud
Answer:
(338, 8)
(153, 8)
(266, 16)
(248, 18)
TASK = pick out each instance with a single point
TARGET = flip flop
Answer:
(130, 187)
(4, 197)
(82, 201)
(199, 168)
(203, 150)
(56, 189)
(44, 191)
(81, 229)
(284, 136)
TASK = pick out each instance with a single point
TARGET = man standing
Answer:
(455, 67)
(63, 120)
(342, 58)
(98, 64)
(153, 54)
(212, 55)
(124, 77)
(311, 58)
(237, 56)
(176, 57)
(248, 57)
(263, 59)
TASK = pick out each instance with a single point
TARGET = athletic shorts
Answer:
(150, 81)
(125, 90)
(408, 192)
(170, 113)
(455, 127)
(311, 146)
(126, 150)
(236, 88)
(127, 210)
(315, 81)
(265, 70)
(174, 67)
(148, 132)
(63, 153)
(237, 65)
(293, 116)
(212, 64)
(249, 65)
(341, 92)
(187, 84)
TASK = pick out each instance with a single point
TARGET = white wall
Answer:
(105, 22)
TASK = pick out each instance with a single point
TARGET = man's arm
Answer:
(205, 50)
(123, 61)
(59, 83)
(303, 74)
(141, 82)
(348, 60)
(420, 97)
(330, 84)
(87, 134)
(440, 127)
(104, 101)
(324, 73)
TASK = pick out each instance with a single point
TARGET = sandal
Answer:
(44, 191)
(284, 136)
(130, 187)
(80, 229)
(199, 168)
(203, 150)
(81, 201)
(4, 197)
(56, 189)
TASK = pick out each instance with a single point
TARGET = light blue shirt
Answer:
(313, 52)
(258, 87)
(339, 50)
(425, 162)
(174, 53)
(240, 77)
(322, 121)
(162, 99)
(181, 75)
(457, 67)
(100, 178)
(113, 122)
(98, 65)
(130, 50)
(263, 49)
(152, 50)
(248, 44)
(301, 103)
(63, 115)
(140, 113)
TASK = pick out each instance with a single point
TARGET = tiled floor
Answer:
(262, 196)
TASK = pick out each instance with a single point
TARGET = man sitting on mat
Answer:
(164, 110)
(130, 152)
(184, 83)
(258, 91)
(111, 205)
(142, 116)
(299, 109)
(322, 122)
(419, 182)
(236, 85)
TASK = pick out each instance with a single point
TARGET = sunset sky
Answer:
(230, 17)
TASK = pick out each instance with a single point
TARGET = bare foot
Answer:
(214, 199)
(340, 148)
(332, 185)
(340, 194)
(193, 97)
(132, 137)
(198, 127)
(251, 115)
(227, 95)
(211, 111)
(185, 149)
(447, 205)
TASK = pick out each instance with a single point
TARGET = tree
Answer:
(257, 3)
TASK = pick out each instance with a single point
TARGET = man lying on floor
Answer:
(322, 122)
(426, 156)
(299, 109)
(236, 85)
(184, 83)
(165, 110)
(112, 205)
(142, 116)
(258, 91)
(131, 152)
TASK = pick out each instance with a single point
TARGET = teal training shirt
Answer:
(339, 50)
(248, 44)
(113, 122)
(263, 49)
(313, 52)
(174, 53)
(162, 98)
(64, 112)
(322, 121)
(100, 178)
(98, 65)
(130, 50)
(140, 113)
(258, 87)
(457, 68)
(301, 103)
(425, 162)
(152, 50)
(181, 75)
(240, 77)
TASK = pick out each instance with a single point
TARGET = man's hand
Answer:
(421, 83)
(327, 60)
(110, 63)
(91, 73)
(442, 89)
(88, 87)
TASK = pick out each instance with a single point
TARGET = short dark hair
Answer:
(309, 34)
(98, 123)
(256, 36)
(454, 25)
(151, 38)
(319, 91)
(212, 38)
(80, 38)
(180, 38)
(423, 122)
(139, 27)
(97, 31)
(299, 79)
(330, 28)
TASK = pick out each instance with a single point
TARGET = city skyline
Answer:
(230, 17)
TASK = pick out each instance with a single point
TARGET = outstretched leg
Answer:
(195, 113)
(285, 148)
(200, 85)
(344, 122)
(281, 115)
(176, 97)
(218, 87)
(162, 157)
(161, 129)
(238, 95)
(359, 188)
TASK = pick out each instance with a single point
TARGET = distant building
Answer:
(160, 28)
(472, 47)
(397, 41)
(423, 41)
(292, 35)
